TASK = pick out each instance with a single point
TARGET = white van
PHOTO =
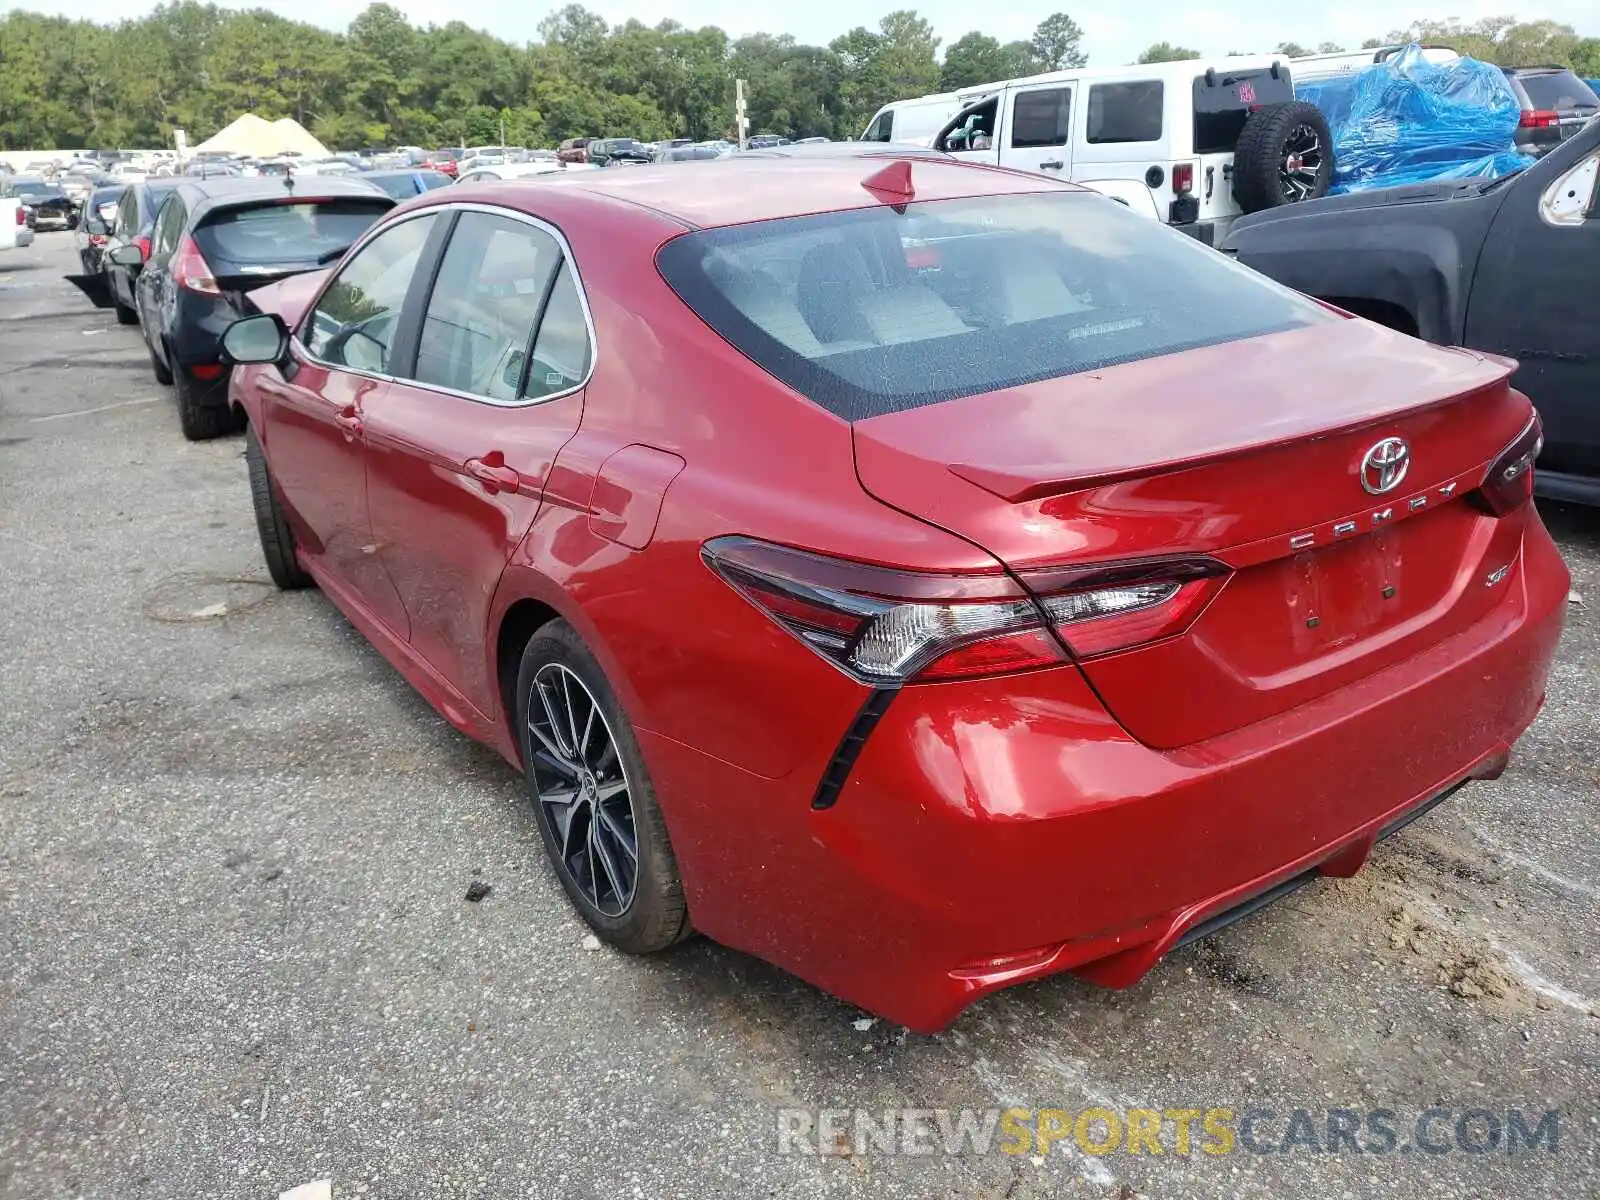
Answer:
(1314, 68)
(915, 122)
(1194, 143)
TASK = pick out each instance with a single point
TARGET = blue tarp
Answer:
(1407, 120)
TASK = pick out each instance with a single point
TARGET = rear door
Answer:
(460, 446)
(1037, 132)
(153, 290)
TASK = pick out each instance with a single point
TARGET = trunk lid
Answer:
(1250, 453)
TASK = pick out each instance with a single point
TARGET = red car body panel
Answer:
(993, 829)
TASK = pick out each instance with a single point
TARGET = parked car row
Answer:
(904, 444)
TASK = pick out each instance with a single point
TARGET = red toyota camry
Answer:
(922, 576)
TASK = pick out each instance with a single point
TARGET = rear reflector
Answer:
(1509, 482)
(884, 627)
(206, 371)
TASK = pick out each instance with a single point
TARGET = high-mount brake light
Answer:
(884, 626)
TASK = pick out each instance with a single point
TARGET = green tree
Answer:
(1372, 44)
(1057, 43)
(978, 58)
(1292, 49)
(1166, 52)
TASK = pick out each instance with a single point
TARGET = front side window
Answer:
(1039, 118)
(493, 281)
(973, 127)
(1125, 112)
(874, 311)
(882, 127)
(353, 324)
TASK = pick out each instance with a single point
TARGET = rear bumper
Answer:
(999, 831)
(24, 238)
(1212, 232)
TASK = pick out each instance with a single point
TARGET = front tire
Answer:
(128, 316)
(592, 797)
(277, 539)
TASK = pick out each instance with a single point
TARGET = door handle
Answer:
(1053, 166)
(349, 422)
(491, 471)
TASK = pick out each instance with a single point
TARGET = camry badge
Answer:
(1385, 465)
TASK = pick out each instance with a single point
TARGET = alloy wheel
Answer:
(1302, 160)
(582, 789)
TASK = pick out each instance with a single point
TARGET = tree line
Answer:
(74, 84)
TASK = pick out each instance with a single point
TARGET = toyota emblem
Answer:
(1385, 465)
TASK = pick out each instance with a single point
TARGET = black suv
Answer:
(214, 242)
(1555, 105)
(604, 152)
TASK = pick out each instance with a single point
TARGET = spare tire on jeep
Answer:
(1285, 154)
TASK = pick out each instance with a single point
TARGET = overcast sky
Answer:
(1115, 30)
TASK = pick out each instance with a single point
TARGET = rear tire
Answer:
(576, 741)
(200, 421)
(128, 316)
(277, 539)
(158, 365)
(1284, 155)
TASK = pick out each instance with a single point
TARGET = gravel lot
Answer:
(234, 847)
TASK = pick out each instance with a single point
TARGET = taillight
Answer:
(144, 247)
(191, 271)
(1182, 178)
(885, 627)
(97, 239)
(1509, 482)
(1539, 118)
(22, 215)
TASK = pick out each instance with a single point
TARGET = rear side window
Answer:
(281, 234)
(1039, 118)
(168, 228)
(872, 311)
(1558, 90)
(1125, 112)
(493, 281)
(1224, 103)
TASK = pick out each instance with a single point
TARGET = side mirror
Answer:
(257, 339)
(128, 255)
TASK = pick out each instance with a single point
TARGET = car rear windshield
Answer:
(1224, 100)
(874, 311)
(1558, 90)
(280, 234)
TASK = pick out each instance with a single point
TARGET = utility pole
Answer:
(740, 117)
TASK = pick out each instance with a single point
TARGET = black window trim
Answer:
(1088, 108)
(408, 332)
(1067, 86)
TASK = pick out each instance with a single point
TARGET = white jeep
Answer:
(1194, 143)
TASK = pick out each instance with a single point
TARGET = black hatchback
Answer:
(215, 241)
